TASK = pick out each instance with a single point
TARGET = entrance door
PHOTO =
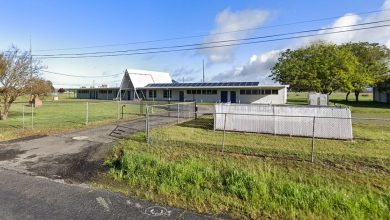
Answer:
(388, 97)
(128, 95)
(181, 96)
(224, 96)
(233, 96)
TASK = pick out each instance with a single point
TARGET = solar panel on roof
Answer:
(203, 84)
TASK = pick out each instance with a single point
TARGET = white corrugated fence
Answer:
(330, 122)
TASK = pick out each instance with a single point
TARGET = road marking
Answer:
(157, 211)
(103, 203)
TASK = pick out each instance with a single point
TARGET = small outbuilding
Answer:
(381, 93)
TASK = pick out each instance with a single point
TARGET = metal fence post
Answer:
(23, 116)
(86, 113)
(117, 106)
(312, 140)
(147, 125)
(223, 137)
(32, 115)
(196, 111)
(178, 113)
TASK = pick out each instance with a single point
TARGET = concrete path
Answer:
(44, 178)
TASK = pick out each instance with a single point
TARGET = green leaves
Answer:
(325, 67)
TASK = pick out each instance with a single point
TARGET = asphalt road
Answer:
(47, 177)
(34, 197)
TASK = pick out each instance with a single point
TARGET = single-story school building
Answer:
(151, 85)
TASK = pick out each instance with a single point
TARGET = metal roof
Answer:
(216, 84)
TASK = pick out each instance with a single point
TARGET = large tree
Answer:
(320, 67)
(40, 87)
(372, 68)
(17, 68)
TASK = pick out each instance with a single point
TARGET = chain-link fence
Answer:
(209, 131)
(52, 115)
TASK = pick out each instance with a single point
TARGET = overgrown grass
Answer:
(258, 176)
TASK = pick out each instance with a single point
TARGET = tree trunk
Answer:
(357, 95)
(346, 96)
(3, 115)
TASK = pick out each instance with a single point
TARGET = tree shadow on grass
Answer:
(362, 104)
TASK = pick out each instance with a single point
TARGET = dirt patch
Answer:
(10, 154)
(73, 168)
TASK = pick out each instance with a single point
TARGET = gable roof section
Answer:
(141, 78)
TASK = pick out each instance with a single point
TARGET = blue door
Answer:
(224, 96)
(233, 96)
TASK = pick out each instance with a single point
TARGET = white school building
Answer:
(158, 86)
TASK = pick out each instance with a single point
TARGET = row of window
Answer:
(259, 92)
(152, 94)
(100, 91)
(105, 91)
(167, 94)
(204, 92)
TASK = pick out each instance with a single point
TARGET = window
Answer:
(214, 92)
(189, 92)
(198, 91)
(193, 91)
(267, 91)
(248, 92)
(204, 92)
(242, 92)
(152, 94)
(255, 92)
(167, 94)
(275, 92)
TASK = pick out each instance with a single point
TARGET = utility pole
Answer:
(203, 69)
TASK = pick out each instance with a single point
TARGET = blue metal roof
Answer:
(171, 85)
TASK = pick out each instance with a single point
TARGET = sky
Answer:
(70, 26)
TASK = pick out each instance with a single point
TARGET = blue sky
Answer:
(68, 24)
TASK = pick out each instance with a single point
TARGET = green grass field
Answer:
(259, 175)
(67, 114)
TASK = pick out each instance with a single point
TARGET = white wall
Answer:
(280, 98)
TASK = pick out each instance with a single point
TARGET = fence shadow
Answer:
(202, 123)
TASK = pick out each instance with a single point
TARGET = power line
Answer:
(213, 34)
(209, 43)
(215, 46)
(79, 76)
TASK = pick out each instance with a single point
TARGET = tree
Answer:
(61, 90)
(320, 67)
(39, 87)
(16, 69)
(372, 67)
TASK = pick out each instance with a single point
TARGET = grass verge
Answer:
(259, 176)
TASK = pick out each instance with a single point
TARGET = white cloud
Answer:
(377, 35)
(256, 69)
(228, 21)
(258, 66)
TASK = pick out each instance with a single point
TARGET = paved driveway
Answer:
(43, 178)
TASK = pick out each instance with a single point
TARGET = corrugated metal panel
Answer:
(331, 122)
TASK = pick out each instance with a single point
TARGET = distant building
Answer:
(151, 85)
(381, 93)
